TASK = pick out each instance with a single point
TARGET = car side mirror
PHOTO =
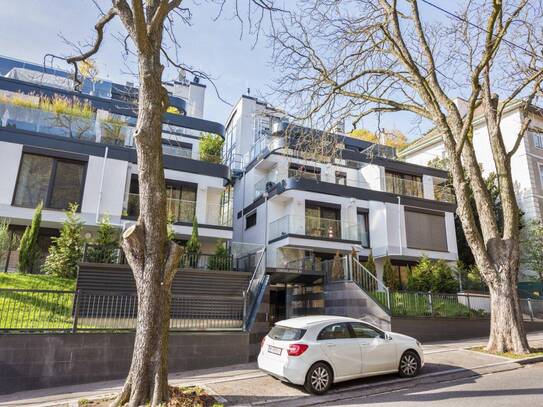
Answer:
(386, 336)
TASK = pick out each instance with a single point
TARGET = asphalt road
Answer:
(521, 387)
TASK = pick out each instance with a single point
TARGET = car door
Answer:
(342, 349)
(378, 352)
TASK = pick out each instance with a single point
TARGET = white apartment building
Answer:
(88, 157)
(306, 212)
(526, 163)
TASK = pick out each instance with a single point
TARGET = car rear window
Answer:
(284, 333)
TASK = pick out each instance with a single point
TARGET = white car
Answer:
(317, 351)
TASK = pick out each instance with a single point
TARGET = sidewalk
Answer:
(246, 385)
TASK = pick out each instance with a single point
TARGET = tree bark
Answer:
(151, 256)
(507, 333)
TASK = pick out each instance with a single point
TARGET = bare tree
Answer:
(152, 257)
(353, 58)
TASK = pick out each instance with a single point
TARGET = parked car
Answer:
(317, 351)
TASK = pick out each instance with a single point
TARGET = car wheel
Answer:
(409, 364)
(318, 379)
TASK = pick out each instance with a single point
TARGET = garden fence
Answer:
(74, 311)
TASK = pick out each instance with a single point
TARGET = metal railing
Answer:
(72, 311)
(253, 294)
(348, 268)
(207, 261)
(317, 227)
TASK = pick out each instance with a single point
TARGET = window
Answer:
(404, 184)
(538, 140)
(335, 331)
(284, 333)
(180, 200)
(55, 182)
(322, 221)
(361, 330)
(362, 222)
(541, 174)
(304, 171)
(341, 178)
(250, 220)
(425, 229)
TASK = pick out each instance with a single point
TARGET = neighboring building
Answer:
(306, 212)
(526, 164)
(60, 146)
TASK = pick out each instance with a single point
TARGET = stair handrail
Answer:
(375, 282)
(251, 293)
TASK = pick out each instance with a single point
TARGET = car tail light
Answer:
(262, 342)
(296, 349)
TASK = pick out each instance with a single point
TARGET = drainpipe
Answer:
(266, 231)
(101, 184)
(400, 225)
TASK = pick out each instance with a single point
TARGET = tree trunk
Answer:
(507, 333)
(151, 256)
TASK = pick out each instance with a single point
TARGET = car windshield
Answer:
(284, 333)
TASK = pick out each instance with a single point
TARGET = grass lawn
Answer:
(36, 282)
(27, 310)
(533, 353)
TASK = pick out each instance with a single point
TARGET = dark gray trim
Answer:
(421, 210)
(324, 239)
(363, 194)
(322, 204)
(203, 225)
(34, 139)
(328, 188)
(55, 153)
(362, 210)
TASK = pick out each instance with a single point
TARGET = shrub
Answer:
(220, 259)
(106, 244)
(211, 147)
(434, 276)
(67, 249)
(28, 246)
(389, 277)
(192, 250)
(370, 264)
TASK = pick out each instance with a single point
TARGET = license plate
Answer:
(275, 350)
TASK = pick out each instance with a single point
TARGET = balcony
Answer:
(184, 211)
(78, 121)
(326, 229)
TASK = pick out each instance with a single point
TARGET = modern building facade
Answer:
(58, 146)
(308, 211)
(526, 163)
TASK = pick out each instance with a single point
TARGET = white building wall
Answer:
(10, 157)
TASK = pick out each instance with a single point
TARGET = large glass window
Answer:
(55, 182)
(362, 223)
(321, 221)
(404, 184)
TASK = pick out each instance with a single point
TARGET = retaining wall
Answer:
(48, 360)
(447, 329)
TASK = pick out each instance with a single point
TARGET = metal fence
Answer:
(459, 305)
(72, 311)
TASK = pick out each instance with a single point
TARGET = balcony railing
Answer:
(22, 113)
(178, 209)
(220, 215)
(317, 227)
(444, 194)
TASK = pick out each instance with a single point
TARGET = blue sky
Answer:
(30, 28)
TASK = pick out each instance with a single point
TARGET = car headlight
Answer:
(419, 344)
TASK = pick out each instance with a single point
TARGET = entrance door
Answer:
(278, 309)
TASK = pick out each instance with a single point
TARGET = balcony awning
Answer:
(283, 275)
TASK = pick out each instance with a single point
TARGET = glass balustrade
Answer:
(316, 227)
